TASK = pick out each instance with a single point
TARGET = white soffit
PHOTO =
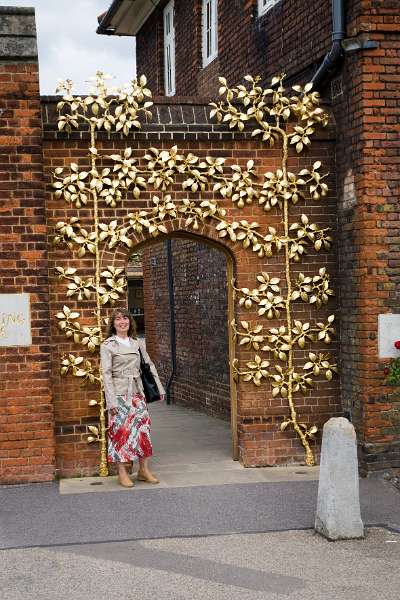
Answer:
(131, 15)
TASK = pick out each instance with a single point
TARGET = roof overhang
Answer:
(125, 17)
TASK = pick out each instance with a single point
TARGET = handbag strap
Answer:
(142, 361)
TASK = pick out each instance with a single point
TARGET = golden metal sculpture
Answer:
(116, 177)
(98, 111)
(273, 114)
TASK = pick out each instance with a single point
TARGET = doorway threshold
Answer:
(190, 475)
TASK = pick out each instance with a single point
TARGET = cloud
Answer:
(70, 48)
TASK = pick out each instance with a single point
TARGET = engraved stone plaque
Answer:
(388, 334)
(15, 320)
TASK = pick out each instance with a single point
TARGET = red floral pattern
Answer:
(129, 431)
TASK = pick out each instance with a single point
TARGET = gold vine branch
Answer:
(100, 110)
(278, 338)
(201, 175)
(113, 178)
(114, 284)
(290, 121)
(164, 209)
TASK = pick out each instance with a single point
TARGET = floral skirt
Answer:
(129, 431)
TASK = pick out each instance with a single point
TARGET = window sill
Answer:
(267, 9)
(209, 60)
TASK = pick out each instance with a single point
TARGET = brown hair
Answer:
(125, 313)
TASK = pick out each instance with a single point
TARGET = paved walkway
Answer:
(191, 449)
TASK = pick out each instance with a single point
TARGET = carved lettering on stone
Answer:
(15, 320)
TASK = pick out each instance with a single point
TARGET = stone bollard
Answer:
(338, 508)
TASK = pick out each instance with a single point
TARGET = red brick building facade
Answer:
(256, 415)
(362, 86)
(45, 419)
(27, 417)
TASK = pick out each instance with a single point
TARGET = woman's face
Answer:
(121, 324)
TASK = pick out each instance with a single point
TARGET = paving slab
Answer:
(181, 435)
(191, 475)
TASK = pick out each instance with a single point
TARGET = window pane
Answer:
(168, 69)
(169, 50)
(209, 29)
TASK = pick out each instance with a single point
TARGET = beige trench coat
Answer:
(120, 366)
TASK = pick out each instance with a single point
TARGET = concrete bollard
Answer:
(338, 508)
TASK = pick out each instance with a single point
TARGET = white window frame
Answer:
(209, 28)
(169, 49)
(265, 5)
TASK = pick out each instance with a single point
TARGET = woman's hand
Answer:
(162, 397)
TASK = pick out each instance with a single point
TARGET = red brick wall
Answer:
(200, 315)
(369, 154)
(293, 37)
(26, 418)
(259, 415)
(151, 53)
(366, 106)
(156, 305)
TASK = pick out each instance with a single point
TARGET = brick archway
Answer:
(207, 235)
(259, 415)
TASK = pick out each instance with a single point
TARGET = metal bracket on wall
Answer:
(359, 42)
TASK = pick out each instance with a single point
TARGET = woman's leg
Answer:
(123, 476)
(144, 473)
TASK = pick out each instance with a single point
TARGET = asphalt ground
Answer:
(38, 515)
(297, 565)
(211, 530)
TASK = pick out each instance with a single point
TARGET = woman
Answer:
(129, 421)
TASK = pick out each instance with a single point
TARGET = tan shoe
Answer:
(148, 477)
(128, 483)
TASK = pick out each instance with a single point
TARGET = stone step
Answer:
(192, 475)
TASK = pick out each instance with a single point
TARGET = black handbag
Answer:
(150, 386)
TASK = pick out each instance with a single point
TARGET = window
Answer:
(209, 28)
(265, 5)
(169, 49)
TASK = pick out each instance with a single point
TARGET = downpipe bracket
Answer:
(361, 41)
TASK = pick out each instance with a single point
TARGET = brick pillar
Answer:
(26, 415)
(369, 230)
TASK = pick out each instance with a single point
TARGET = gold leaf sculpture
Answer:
(270, 111)
(82, 188)
(290, 121)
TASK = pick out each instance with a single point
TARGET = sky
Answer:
(69, 46)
